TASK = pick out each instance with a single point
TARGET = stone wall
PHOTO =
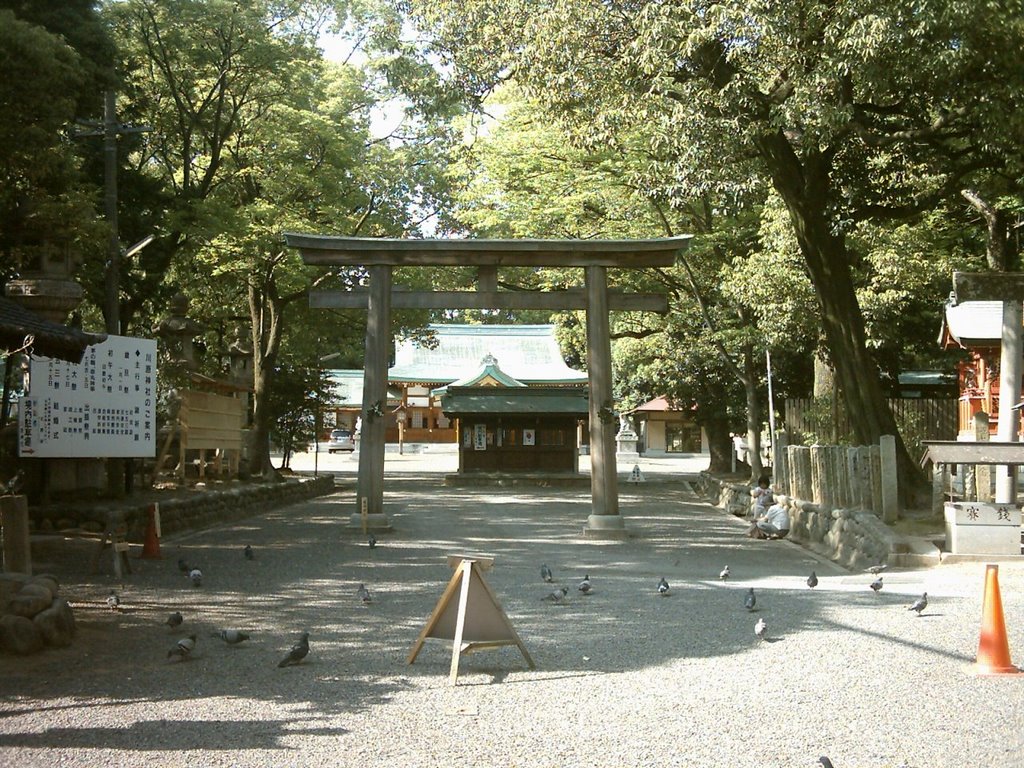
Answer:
(181, 511)
(32, 614)
(855, 538)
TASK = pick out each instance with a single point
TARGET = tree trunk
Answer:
(266, 338)
(750, 379)
(719, 444)
(805, 190)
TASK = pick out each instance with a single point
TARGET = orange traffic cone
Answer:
(993, 647)
(151, 546)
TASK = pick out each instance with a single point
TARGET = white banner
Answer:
(104, 406)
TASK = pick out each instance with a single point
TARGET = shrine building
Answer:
(976, 328)
(458, 375)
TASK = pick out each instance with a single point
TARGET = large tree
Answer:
(54, 63)
(255, 134)
(857, 110)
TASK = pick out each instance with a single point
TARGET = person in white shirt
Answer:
(762, 498)
(773, 524)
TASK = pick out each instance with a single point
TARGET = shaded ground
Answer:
(623, 677)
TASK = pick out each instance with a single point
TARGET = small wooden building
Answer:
(976, 328)
(506, 426)
(667, 430)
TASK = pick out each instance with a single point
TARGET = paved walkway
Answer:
(623, 678)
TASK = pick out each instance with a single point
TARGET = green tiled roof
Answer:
(527, 353)
(346, 389)
(463, 401)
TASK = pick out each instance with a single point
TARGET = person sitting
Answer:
(774, 524)
(762, 498)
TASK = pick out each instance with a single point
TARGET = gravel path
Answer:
(624, 677)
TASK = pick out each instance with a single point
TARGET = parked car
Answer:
(341, 440)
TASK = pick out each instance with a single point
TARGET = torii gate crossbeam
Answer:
(381, 255)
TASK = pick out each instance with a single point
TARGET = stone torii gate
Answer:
(382, 255)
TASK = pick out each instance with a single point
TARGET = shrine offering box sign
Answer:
(104, 406)
(976, 528)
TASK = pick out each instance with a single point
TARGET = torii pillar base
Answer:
(605, 527)
(377, 522)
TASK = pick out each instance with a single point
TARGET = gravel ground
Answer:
(624, 677)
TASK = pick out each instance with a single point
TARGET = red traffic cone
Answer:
(151, 546)
(993, 647)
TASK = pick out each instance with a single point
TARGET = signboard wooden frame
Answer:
(475, 621)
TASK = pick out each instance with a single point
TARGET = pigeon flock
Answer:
(185, 647)
(585, 587)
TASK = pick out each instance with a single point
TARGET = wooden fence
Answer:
(918, 419)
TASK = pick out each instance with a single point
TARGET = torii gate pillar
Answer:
(604, 490)
(370, 484)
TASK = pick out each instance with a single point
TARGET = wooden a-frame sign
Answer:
(475, 621)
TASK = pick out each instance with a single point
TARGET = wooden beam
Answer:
(322, 250)
(573, 298)
(988, 286)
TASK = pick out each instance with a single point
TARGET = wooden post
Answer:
(14, 523)
(890, 494)
(370, 485)
(604, 490)
(981, 474)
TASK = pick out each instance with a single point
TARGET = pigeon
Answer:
(364, 594)
(15, 485)
(825, 762)
(249, 554)
(876, 569)
(196, 577)
(920, 604)
(761, 629)
(174, 620)
(372, 541)
(812, 580)
(230, 636)
(558, 595)
(877, 584)
(751, 601)
(184, 647)
(298, 651)
(545, 574)
(725, 574)
(663, 586)
(584, 585)
(183, 566)
(113, 601)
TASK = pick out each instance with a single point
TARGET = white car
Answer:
(341, 440)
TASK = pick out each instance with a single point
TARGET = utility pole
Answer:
(111, 281)
(110, 130)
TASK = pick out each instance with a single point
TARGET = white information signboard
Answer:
(104, 406)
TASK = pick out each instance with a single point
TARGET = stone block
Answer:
(30, 600)
(56, 624)
(48, 581)
(973, 528)
(19, 635)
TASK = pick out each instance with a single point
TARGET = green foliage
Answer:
(46, 210)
